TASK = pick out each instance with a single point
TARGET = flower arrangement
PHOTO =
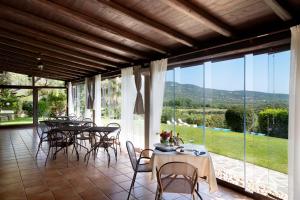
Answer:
(165, 137)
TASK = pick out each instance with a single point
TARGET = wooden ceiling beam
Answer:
(33, 61)
(279, 10)
(158, 27)
(48, 26)
(33, 67)
(97, 63)
(200, 15)
(100, 24)
(11, 68)
(64, 64)
(102, 54)
(22, 67)
(80, 63)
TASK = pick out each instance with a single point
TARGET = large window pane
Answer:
(111, 100)
(16, 106)
(224, 92)
(51, 102)
(48, 82)
(10, 78)
(267, 100)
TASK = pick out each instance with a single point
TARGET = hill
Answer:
(221, 98)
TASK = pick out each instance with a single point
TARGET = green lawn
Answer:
(17, 121)
(268, 152)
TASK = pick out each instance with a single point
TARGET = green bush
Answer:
(274, 121)
(216, 120)
(234, 118)
(28, 108)
(43, 107)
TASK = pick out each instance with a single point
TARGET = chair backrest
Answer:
(113, 124)
(131, 154)
(177, 170)
(41, 129)
(117, 132)
(89, 124)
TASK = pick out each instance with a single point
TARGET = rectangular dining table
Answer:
(203, 163)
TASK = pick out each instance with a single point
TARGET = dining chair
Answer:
(177, 177)
(115, 136)
(85, 136)
(57, 141)
(136, 163)
(42, 130)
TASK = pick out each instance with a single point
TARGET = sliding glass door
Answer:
(238, 109)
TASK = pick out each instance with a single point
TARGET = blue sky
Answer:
(264, 73)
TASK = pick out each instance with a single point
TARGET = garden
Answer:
(266, 132)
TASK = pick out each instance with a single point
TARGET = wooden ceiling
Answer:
(79, 38)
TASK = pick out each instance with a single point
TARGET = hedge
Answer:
(274, 121)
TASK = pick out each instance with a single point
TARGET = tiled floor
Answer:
(24, 177)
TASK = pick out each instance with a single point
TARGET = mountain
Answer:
(220, 97)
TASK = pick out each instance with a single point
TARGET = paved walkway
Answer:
(259, 179)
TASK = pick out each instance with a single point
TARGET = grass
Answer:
(264, 151)
(17, 121)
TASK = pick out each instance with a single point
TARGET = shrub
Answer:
(274, 121)
(234, 118)
(28, 108)
(216, 120)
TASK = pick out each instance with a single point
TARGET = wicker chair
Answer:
(137, 166)
(177, 177)
(42, 130)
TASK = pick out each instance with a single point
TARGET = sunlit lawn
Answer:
(17, 121)
(268, 152)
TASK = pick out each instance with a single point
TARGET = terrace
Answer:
(221, 74)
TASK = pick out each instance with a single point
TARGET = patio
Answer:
(217, 74)
(23, 177)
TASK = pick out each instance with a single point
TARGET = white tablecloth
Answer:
(203, 163)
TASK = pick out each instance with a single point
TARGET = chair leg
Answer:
(198, 194)
(40, 144)
(47, 156)
(132, 184)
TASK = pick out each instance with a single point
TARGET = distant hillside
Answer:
(221, 97)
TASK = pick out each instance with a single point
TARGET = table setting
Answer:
(195, 154)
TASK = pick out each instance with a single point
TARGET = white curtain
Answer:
(70, 99)
(158, 70)
(97, 100)
(294, 117)
(128, 92)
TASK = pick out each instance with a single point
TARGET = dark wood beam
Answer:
(85, 65)
(33, 62)
(233, 49)
(158, 27)
(19, 69)
(65, 64)
(102, 54)
(100, 24)
(33, 57)
(97, 63)
(50, 27)
(279, 10)
(200, 15)
(32, 66)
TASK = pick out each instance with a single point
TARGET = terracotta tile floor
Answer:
(24, 177)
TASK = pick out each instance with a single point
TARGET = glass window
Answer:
(48, 82)
(10, 78)
(51, 102)
(16, 106)
(238, 108)
(111, 100)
